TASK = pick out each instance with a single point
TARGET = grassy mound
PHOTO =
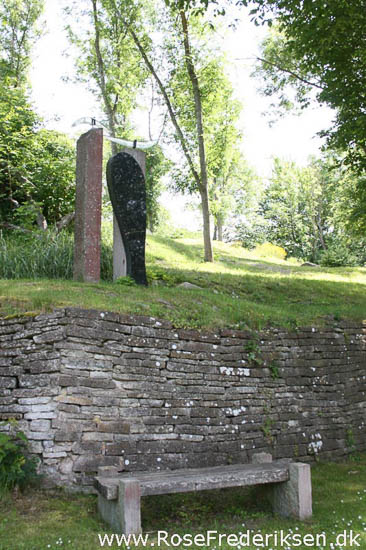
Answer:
(241, 289)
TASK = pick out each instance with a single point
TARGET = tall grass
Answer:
(44, 256)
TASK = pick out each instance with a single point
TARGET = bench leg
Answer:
(293, 497)
(129, 511)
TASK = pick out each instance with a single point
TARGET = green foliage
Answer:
(240, 291)
(156, 273)
(338, 254)
(266, 428)
(106, 57)
(312, 212)
(53, 174)
(308, 212)
(44, 255)
(253, 351)
(18, 32)
(38, 255)
(157, 166)
(252, 346)
(108, 64)
(289, 92)
(250, 230)
(16, 467)
(269, 250)
(356, 197)
(125, 281)
(274, 370)
(37, 167)
(321, 47)
(295, 209)
(350, 440)
(17, 128)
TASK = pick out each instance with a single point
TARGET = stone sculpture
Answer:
(88, 207)
(126, 185)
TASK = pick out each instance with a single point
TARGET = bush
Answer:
(268, 250)
(250, 232)
(125, 281)
(17, 469)
(157, 273)
(338, 255)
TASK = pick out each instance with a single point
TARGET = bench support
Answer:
(292, 498)
(129, 504)
(123, 514)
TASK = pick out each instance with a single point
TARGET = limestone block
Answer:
(54, 454)
(40, 425)
(92, 463)
(7, 382)
(34, 380)
(293, 498)
(117, 427)
(39, 415)
(66, 466)
(48, 337)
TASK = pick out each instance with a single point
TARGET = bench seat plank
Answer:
(196, 479)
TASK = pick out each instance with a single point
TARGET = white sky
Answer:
(61, 103)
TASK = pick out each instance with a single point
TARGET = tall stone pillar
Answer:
(119, 254)
(88, 206)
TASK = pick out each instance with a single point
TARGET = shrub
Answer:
(16, 467)
(250, 232)
(268, 250)
(338, 255)
(126, 281)
(157, 273)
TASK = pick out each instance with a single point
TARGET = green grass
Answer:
(51, 520)
(241, 289)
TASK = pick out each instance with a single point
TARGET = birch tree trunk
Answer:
(200, 138)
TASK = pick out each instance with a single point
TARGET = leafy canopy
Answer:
(324, 42)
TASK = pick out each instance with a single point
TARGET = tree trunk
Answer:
(173, 118)
(110, 110)
(321, 234)
(214, 238)
(220, 229)
(41, 221)
(201, 143)
(206, 226)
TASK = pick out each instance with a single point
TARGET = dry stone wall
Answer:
(94, 388)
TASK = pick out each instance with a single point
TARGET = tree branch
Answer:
(197, 98)
(280, 68)
(65, 221)
(101, 71)
(173, 118)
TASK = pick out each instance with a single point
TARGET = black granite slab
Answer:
(126, 185)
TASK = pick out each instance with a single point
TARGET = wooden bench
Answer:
(119, 495)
